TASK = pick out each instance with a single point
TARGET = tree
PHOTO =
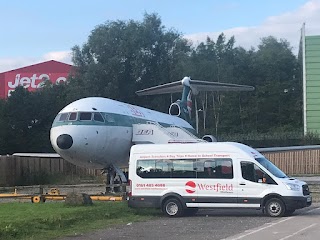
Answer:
(122, 57)
(27, 118)
(276, 85)
(214, 61)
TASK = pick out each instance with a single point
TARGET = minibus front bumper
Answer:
(297, 202)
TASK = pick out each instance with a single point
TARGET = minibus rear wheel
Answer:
(172, 208)
(275, 207)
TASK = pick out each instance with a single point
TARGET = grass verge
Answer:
(54, 219)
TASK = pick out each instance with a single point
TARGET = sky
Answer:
(37, 30)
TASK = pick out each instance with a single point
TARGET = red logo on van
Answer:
(190, 187)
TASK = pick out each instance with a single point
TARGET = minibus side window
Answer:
(220, 168)
(254, 173)
(155, 168)
(184, 168)
(208, 168)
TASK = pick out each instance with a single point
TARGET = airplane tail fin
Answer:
(183, 108)
(188, 87)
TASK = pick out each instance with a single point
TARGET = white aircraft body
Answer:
(97, 132)
(94, 132)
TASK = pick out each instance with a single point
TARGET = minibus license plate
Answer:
(309, 199)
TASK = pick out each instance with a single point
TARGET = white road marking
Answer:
(273, 224)
(301, 230)
(314, 209)
(259, 229)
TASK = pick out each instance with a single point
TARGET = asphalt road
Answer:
(218, 224)
(301, 226)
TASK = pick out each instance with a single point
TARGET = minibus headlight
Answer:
(293, 187)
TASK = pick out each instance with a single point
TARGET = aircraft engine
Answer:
(175, 109)
(209, 138)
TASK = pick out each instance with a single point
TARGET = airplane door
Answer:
(252, 184)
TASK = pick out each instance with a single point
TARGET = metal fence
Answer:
(303, 160)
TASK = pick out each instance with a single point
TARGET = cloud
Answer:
(286, 26)
(62, 56)
(7, 64)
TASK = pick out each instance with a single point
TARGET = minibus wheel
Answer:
(275, 207)
(172, 208)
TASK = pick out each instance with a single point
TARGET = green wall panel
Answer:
(313, 54)
(313, 127)
(312, 65)
(312, 40)
(312, 108)
(312, 96)
(313, 90)
(312, 79)
(313, 114)
(314, 101)
(313, 82)
(313, 48)
(313, 71)
(313, 59)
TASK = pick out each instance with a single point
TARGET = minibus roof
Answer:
(222, 149)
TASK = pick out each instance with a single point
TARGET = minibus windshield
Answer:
(271, 167)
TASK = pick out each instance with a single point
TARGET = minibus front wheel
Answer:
(172, 208)
(275, 207)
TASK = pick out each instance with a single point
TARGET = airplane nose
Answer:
(64, 141)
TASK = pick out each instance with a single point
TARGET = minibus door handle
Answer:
(242, 184)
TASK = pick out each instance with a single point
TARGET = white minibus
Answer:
(181, 178)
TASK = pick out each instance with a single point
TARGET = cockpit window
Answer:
(73, 116)
(85, 116)
(63, 117)
(97, 117)
(109, 118)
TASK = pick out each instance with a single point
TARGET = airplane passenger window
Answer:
(73, 116)
(97, 117)
(85, 116)
(63, 117)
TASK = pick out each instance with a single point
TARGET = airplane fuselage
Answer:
(96, 132)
